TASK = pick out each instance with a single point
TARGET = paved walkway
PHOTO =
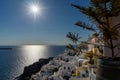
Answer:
(79, 78)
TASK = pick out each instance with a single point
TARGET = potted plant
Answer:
(102, 14)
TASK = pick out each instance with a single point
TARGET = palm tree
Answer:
(71, 47)
(101, 13)
(74, 37)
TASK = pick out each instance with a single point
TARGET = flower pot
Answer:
(108, 69)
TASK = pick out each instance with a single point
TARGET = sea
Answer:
(13, 59)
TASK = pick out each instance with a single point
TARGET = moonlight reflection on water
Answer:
(12, 62)
(34, 52)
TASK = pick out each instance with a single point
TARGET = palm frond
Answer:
(71, 47)
(115, 7)
(79, 7)
(117, 26)
(74, 37)
(91, 12)
(85, 26)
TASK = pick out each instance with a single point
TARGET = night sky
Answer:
(56, 19)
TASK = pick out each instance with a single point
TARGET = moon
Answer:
(34, 9)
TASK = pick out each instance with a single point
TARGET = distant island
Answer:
(6, 48)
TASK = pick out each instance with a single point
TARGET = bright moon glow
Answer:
(34, 8)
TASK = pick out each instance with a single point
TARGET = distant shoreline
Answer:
(6, 48)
